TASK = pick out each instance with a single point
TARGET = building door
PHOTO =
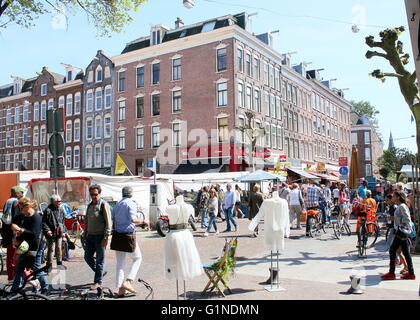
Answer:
(139, 167)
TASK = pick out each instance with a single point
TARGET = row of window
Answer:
(94, 155)
(98, 127)
(327, 129)
(98, 99)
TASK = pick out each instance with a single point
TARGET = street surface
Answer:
(310, 268)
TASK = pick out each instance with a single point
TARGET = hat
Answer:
(18, 189)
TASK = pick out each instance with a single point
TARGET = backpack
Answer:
(7, 211)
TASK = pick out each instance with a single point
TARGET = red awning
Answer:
(324, 176)
(335, 173)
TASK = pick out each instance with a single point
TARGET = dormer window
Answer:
(43, 89)
(157, 32)
(99, 74)
(156, 37)
(70, 75)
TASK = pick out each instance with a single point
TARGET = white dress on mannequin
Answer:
(276, 221)
(182, 260)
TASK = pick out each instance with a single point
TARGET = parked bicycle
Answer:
(20, 293)
(368, 231)
(314, 221)
(75, 232)
(339, 223)
(162, 224)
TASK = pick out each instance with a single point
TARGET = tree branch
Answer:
(370, 54)
(4, 6)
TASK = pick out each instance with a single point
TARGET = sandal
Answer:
(403, 271)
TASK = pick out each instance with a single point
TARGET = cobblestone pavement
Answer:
(314, 268)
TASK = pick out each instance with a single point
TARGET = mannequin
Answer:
(276, 226)
(182, 260)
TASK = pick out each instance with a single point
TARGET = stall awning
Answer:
(196, 166)
(302, 173)
(325, 176)
(335, 173)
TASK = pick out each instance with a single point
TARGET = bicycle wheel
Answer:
(372, 232)
(337, 230)
(347, 227)
(30, 296)
(162, 227)
(192, 223)
(387, 234)
(1, 263)
(360, 241)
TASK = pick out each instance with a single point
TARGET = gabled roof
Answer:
(6, 90)
(187, 31)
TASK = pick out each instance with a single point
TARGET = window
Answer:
(89, 101)
(241, 95)
(273, 136)
(155, 73)
(69, 131)
(241, 133)
(61, 101)
(43, 139)
(68, 158)
(240, 60)
(51, 104)
(176, 101)
(222, 94)
(176, 69)
(98, 155)
(279, 139)
(77, 130)
(278, 108)
(16, 138)
(89, 128)
(76, 157)
(88, 159)
(107, 126)
(249, 98)
(208, 26)
(139, 107)
(155, 136)
(25, 112)
(35, 161)
(121, 140)
(289, 92)
(98, 94)
(354, 138)
(368, 170)
(42, 160)
(268, 136)
(69, 105)
(273, 106)
(248, 64)
(221, 59)
(77, 103)
(43, 89)
(17, 114)
(223, 128)
(35, 139)
(121, 81)
(107, 155)
(155, 37)
(367, 154)
(155, 105)
(271, 75)
(99, 74)
(277, 79)
(266, 81)
(139, 138)
(9, 117)
(257, 68)
(267, 104)
(257, 100)
(98, 127)
(25, 136)
(121, 110)
(176, 134)
(139, 77)
(108, 97)
(367, 137)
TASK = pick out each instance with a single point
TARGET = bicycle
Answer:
(314, 221)
(367, 234)
(339, 223)
(76, 231)
(162, 225)
(20, 293)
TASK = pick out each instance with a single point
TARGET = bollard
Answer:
(355, 285)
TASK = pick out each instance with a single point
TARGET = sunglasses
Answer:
(94, 194)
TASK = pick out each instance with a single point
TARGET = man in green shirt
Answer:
(98, 226)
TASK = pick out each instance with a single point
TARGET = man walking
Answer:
(97, 230)
(256, 198)
(53, 229)
(11, 214)
(228, 205)
(125, 216)
(220, 197)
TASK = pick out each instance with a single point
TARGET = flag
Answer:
(120, 165)
(412, 118)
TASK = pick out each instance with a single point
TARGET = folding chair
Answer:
(215, 270)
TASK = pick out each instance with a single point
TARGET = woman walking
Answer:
(295, 203)
(237, 211)
(212, 211)
(402, 225)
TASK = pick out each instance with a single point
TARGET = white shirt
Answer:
(336, 193)
(294, 196)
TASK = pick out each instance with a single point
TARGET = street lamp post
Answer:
(188, 3)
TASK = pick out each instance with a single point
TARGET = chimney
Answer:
(179, 23)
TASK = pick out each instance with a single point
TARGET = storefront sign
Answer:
(320, 166)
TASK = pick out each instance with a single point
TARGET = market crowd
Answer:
(31, 235)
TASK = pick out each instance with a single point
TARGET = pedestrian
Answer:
(11, 214)
(256, 199)
(204, 202)
(238, 211)
(197, 202)
(228, 205)
(212, 211)
(220, 197)
(53, 229)
(295, 205)
(402, 225)
(28, 232)
(284, 191)
(125, 216)
(96, 232)
(336, 194)
(361, 191)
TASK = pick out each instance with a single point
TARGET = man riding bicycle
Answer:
(366, 208)
(315, 200)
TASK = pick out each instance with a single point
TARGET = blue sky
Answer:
(320, 31)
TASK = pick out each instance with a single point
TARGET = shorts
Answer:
(237, 204)
(343, 206)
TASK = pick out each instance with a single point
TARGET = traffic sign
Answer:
(344, 171)
(343, 161)
(56, 144)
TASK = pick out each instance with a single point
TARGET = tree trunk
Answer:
(417, 193)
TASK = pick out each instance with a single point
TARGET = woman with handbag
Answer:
(402, 225)
(125, 217)
(213, 208)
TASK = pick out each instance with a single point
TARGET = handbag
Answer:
(401, 234)
(125, 242)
